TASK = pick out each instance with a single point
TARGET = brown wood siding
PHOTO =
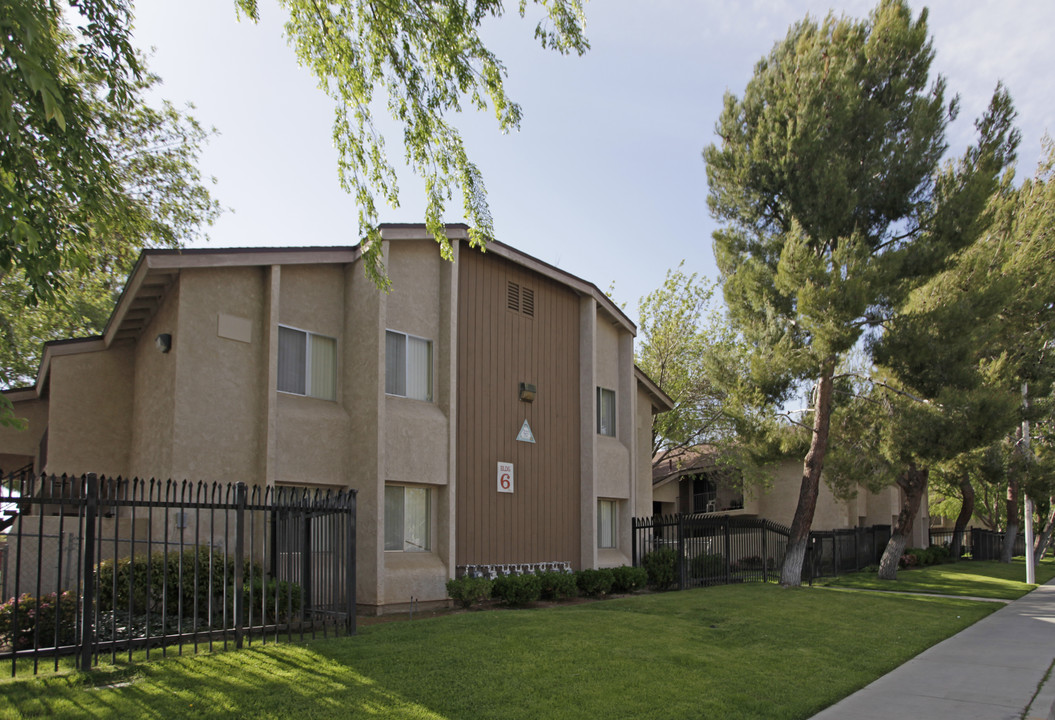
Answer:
(499, 348)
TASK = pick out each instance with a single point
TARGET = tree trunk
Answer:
(966, 511)
(1044, 539)
(791, 572)
(913, 484)
(1012, 520)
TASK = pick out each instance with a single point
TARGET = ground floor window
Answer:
(606, 523)
(407, 518)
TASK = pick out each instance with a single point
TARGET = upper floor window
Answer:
(408, 366)
(605, 412)
(307, 363)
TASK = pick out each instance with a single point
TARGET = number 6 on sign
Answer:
(505, 477)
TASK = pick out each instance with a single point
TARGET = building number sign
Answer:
(505, 477)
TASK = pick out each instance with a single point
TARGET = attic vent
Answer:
(520, 300)
(527, 301)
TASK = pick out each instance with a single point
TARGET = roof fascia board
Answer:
(244, 257)
(583, 287)
(662, 401)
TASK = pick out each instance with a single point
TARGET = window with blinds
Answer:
(408, 366)
(307, 363)
(606, 523)
(605, 412)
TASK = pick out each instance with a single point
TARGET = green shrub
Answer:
(175, 583)
(517, 589)
(708, 566)
(281, 600)
(557, 585)
(661, 568)
(595, 583)
(628, 579)
(171, 579)
(38, 622)
(467, 591)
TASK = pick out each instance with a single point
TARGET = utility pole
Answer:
(1030, 570)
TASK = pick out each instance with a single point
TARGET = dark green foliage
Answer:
(921, 557)
(38, 622)
(708, 566)
(166, 577)
(280, 600)
(558, 585)
(468, 591)
(517, 589)
(628, 579)
(661, 568)
(173, 582)
(594, 583)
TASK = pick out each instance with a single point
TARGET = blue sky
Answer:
(605, 177)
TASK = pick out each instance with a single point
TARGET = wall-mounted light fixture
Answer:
(163, 342)
(527, 392)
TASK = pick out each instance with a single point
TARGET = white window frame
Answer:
(603, 429)
(310, 389)
(407, 337)
(413, 544)
(607, 509)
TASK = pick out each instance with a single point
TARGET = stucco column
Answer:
(447, 398)
(626, 426)
(272, 297)
(588, 430)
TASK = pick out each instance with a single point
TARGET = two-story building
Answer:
(487, 410)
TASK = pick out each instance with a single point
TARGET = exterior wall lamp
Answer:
(163, 342)
(527, 392)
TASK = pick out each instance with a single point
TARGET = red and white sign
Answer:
(505, 477)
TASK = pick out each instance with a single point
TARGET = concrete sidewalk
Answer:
(993, 670)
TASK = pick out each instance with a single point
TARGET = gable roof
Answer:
(157, 270)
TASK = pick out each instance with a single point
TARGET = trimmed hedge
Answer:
(629, 579)
(595, 583)
(517, 589)
(468, 591)
(557, 585)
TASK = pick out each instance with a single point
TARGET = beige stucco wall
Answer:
(643, 458)
(219, 403)
(154, 395)
(90, 411)
(18, 447)
(417, 435)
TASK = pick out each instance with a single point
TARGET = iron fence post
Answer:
(765, 551)
(728, 549)
(351, 570)
(681, 552)
(91, 505)
(239, 562)
(633, 541)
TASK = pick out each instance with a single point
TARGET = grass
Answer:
(739, 651)
(985, 578)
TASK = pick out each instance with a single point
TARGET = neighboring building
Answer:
(289, 367)
(691, 482)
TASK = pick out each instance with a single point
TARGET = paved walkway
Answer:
(990, 671)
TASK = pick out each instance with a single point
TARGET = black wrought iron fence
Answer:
(101, 566)
(989, 544)
(712, 550)
(709, 550)
(832, 552)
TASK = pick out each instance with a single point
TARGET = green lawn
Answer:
(740, 651)
(985, 578)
